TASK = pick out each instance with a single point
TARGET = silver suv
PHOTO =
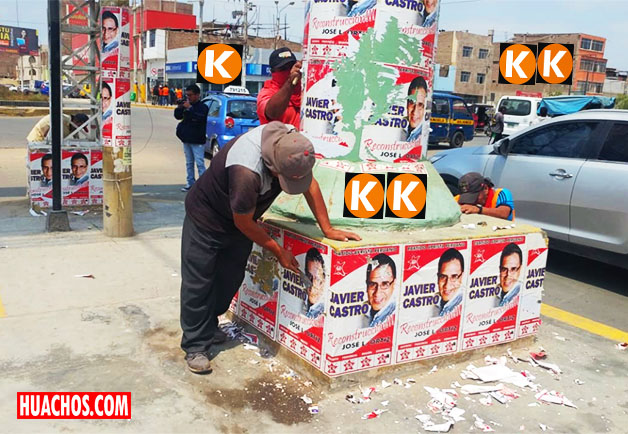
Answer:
(568, 175)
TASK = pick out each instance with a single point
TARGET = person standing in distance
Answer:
(191, 131)
(498, 128)
(280, 98)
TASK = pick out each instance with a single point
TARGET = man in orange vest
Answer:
(164, 94)
(179, 92)
(477, 196)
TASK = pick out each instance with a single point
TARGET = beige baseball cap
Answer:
(289, 154)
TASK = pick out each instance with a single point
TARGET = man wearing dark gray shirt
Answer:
(222, 209)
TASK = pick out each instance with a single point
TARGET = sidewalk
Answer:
(119, 331)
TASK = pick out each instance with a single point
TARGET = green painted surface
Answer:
(441, 210)
(366, 86)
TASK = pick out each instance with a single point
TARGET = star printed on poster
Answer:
(535, 327)
(495, 337)
(483, 340)
(293, 344)
(269, 329)
(366, 362)
(524, 329)
(469, 342)
(510, 334)
(450, 346)
(435, 349)
(303, 350)
(382, 359)
(348, 365)
(414, 263)
(420, 352)
(331, 368)
(260, 323)
(282, 338)
(405, 354)
(479, 256)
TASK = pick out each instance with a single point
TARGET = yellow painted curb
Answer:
(584, 323)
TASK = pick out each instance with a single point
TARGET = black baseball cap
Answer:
(281, 57)
(470, 185)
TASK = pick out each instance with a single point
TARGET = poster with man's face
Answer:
(431, 300)
(258, 294)
(529, 318)
(497, 273)
(40, 177)
(75, 176)
(95, 181)
(301, 312)
(361, 308)
(368, 79)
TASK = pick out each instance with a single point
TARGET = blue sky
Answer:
(605, 18)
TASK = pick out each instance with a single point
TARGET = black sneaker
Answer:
(185, 189)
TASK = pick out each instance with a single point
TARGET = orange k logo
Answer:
(219, 63)
(364, 195)
(406, 195)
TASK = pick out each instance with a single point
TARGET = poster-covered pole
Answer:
(116, 123)
(57, 219)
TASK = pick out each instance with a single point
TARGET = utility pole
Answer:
(277, 24)
(57, 219)
(200, 21)
(245, 48)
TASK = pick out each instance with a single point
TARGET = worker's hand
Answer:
(295, 74)
(340, 235)
(287, 260)
(187, 104)
(469, 209)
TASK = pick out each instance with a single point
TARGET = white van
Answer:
(521, 112)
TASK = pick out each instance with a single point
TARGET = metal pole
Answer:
(200, 22)
(245, 49)
(277, 24)
(57, 220)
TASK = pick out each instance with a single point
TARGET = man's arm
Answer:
(253, 231)
(502, 211)
(315, 200)
(178, 112)
(278, 103)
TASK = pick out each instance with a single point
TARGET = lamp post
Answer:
(277, 27)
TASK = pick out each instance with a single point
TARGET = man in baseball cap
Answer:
(478, 196)
(222, 209)
(280, 98)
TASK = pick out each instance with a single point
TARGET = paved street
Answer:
(119, 331)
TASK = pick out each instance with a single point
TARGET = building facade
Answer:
(468, 58)
(589, 66)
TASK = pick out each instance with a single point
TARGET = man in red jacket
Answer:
(280, 98)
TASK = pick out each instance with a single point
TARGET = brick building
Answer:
(468, 56)
(588, 73)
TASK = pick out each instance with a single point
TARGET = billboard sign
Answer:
(19, 40)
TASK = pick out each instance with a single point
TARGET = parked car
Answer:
(229, 115)
(568, 175)
(22, 89)
(451, 120)
(521, 112)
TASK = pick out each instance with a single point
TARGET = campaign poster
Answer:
(19, 40)
(233, 306)
(368, 78)
(116, 112)
(75, 174)
(40, 176)
(497, 275)
(111, 23)
(301, 313)
(95, 177)
(259, 292)
(529, 319)
(432, 299)
(115, 50)
(361, 309)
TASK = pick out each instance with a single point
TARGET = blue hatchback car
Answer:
(451, 121)
(229, 115)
